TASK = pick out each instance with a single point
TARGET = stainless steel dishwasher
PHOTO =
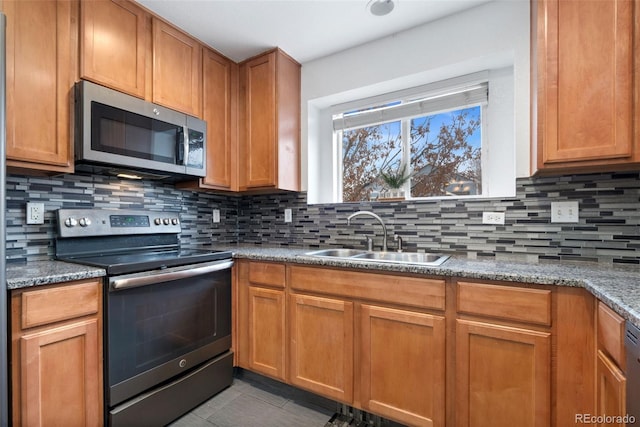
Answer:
(632, 342)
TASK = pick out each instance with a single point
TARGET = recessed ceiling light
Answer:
(380, 7)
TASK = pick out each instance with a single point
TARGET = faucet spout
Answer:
(376, 217)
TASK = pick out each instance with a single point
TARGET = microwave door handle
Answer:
(185, 145)
(180, 145)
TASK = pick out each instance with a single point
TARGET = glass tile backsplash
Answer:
(608, 229)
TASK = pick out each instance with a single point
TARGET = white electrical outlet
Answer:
(35, 213)
(287, 215)
(216, 216)
(567, 212)
(493, 218)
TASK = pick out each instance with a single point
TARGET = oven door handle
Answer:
(150, 278)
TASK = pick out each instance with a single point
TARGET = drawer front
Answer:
(392, 289)
(505, 302)
(43, 306)
(266, 273)
(611, 333)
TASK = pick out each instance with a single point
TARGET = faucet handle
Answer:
(369, 243)
(398, 239)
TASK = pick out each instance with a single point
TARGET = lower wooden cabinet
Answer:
(322, 345)
(402, 364)
(260, 335)
(56, 350)
(611, 392)
(431, 351)
(611, 382)
(503, 375)
(267, 326)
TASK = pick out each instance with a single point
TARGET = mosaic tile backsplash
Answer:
(36, 242)
(608, 229)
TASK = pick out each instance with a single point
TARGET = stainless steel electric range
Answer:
(167, 326)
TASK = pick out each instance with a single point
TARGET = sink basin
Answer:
(405, 257)
(337, 253)
(390, 257)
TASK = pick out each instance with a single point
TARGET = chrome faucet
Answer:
(371, 214)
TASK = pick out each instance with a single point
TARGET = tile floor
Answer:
(253, 400)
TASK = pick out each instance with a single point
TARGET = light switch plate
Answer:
(287, 215)
(565, 212)
(216, 216)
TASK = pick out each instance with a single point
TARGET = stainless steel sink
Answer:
(419, 258)
(405, 257)
(337, 253)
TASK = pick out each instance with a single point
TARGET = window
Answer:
(415, 146)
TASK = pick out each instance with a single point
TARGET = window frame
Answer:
(443, 87)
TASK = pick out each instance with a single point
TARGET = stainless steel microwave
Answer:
(123, 135)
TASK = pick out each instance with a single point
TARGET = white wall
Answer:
(490, 36)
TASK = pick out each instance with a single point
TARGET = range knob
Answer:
(174, 221)
(84, 222)
(166, 221)
(157, 221)
(70, 222)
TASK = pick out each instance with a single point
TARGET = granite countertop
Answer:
(39, 273)
(616, 285)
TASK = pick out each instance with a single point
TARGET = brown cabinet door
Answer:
(258, 80)
(402, 365)
(267, 331)
(502, 376)
(177, 69)
(41, 63)
(114, 45)
(611, 392)
(61, 376)
(220, 77)
(585, 82)
(321, 345)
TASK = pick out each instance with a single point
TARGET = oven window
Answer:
(151, 325)
(121, 132)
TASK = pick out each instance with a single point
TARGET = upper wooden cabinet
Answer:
(585, 71)
(41, 70)
(177, 69)
(115, 39)
(270, 123)
(220, 100)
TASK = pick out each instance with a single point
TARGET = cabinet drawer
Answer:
(392, 289)
(266, 273)
(505, 302)
(43, 306)
(611, 333)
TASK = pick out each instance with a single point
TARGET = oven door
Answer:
(163, 323)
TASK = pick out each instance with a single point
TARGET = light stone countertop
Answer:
(616, 285)
(40, 273)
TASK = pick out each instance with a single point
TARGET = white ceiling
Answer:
(305, 29)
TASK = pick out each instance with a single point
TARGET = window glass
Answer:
(445, 154)
(431, 155)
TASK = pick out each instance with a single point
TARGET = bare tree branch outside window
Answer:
(445, 155)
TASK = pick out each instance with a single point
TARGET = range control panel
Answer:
(111, 222)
